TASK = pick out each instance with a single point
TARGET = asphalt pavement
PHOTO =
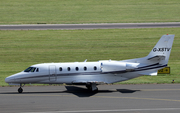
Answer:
(148, 98)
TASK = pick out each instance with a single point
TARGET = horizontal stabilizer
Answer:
(149, 73)
(157, 58)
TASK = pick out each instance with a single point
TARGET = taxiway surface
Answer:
(156, 98)
(89, 26)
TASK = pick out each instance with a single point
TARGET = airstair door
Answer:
(52, 73)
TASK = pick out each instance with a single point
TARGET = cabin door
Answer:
(52, 73)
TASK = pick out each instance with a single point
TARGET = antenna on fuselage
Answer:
(85, 60)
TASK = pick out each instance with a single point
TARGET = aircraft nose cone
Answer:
(9, 79)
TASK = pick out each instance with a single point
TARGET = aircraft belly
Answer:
(69, 79)
(105, 78)
(100, 78)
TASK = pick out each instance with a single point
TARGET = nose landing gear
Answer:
(20, 90)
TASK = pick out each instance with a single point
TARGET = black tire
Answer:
(96, 90)
(89, 88)
(20, 90)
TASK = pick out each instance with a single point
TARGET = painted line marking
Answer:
(159, 89)
(115, 110)
(138, 98)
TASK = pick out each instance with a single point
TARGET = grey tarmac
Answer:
(89, 26)
(144, 98)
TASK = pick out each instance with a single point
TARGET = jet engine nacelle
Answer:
(118, 66)
(131, 66)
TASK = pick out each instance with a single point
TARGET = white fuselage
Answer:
(72, 73)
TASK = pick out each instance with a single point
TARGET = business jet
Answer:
(92, 74)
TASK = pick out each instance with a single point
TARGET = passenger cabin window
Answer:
(60, 69)
(85, 68)
(68, 68)
(95, 68)
(77, 68)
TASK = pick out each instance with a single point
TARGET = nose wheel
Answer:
(20, 90)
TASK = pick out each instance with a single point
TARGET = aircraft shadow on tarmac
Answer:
(78, 91)
(83, 92)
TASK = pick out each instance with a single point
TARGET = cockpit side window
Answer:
(28, 69)
(32, 69)
(37, 70)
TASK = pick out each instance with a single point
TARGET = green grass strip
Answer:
(21, 49)
(88, 11)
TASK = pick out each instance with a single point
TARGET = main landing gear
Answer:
(20, 90)
(92, 87)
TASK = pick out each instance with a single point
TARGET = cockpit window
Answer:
(31, 69)
(28, 69)
(37, 70)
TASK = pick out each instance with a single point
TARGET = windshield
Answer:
(28, 69)
(31, 69)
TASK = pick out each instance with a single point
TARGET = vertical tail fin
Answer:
(161, 51)
(156, 59)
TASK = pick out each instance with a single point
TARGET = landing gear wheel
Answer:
(20, 90)
(92, 87)
(96, 90)
(89, 87)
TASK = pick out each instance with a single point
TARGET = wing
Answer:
(84, 82)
